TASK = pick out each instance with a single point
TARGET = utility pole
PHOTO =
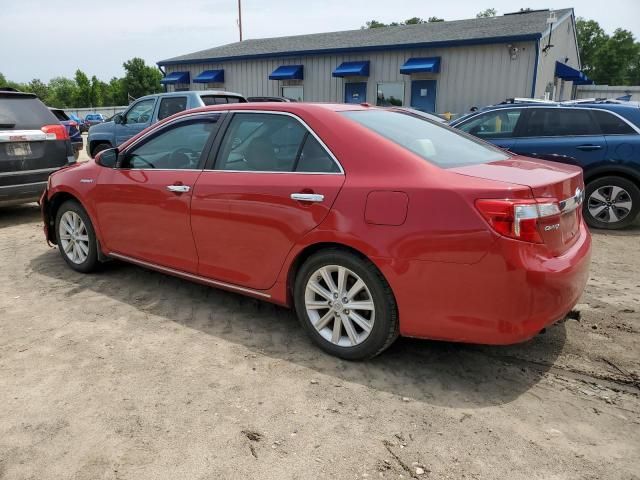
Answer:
(240, 18)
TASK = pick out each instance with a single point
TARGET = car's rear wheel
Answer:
(346, 305)
(98, 148)
(611, 202)
(76, 237)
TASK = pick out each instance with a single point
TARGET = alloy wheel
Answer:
(339, 305)
(74, 237)
(609, 204)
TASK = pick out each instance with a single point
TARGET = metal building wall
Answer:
(469, 76)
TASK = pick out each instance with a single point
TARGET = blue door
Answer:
(423, 95)
(355, 92)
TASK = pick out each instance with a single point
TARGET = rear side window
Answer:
(22, 112)
(497, 124)
(314, 158)
(60, 115)
(170, 106)
(436, 143)
(558, 122)
(611, 124)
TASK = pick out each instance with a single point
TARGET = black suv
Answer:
(33, 144)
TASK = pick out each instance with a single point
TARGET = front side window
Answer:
(436, 143)
(559, 122)
(262, 142)
(611, 124)
(295, 93)
(176, 147)
(170, 106)
(390, 95)
(497, 124)
(141, 112)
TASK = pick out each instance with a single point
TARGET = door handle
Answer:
(178, 188)
(588, 148)
(307, 197)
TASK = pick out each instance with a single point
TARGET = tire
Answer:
(601, 210)
(355, 342)
(79, 249)
(100, 147)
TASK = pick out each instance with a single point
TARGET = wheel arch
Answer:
(613, 171)
(53, 204)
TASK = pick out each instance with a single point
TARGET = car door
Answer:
(135, 119)
(568, 135)
(272, 182)
(622, 137)
(143, 205)
(497, 126)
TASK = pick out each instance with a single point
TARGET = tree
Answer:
(141, 79)
(414, 21)
(83, 92)
(409, 21)
(591, 38)
(435, 19)
(487, 13)
(62, 92)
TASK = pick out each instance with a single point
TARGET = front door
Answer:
(135, 119)
(143, 205)
(272, 182)
(423, 95)
(355, 92)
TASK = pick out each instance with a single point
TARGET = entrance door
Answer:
(423, 95)
(355, 92)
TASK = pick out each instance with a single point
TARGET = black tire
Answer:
(91, 262)
(600, 185)
(385, 325)
(100, 147)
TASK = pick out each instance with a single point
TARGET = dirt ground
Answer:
(131, 374)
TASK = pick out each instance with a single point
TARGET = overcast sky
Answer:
(44, 39)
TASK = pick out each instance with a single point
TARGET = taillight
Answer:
(518, 218)
(55, 132)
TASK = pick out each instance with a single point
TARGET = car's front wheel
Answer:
(76, 237)
(611, 202)
(346, 305)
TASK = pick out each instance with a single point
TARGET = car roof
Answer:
(191, 92)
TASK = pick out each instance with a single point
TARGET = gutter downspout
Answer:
(164, 74)
(535, 70)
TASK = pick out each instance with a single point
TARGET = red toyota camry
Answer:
(371, 223)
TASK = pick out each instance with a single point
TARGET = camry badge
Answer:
(86, 180)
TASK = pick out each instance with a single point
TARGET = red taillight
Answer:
(55, 132)
(518, 218)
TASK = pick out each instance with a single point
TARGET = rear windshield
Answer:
(436, 143)
(24, 113)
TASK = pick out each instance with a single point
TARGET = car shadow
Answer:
(438, 373)
(19, 214)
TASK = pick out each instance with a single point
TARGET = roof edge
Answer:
(297, 53)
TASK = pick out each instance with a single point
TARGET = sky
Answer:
(44, 39)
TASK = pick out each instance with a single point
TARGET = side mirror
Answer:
(118, 118)
(108, 158)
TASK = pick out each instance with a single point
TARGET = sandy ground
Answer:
(131, 374)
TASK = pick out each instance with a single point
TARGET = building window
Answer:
(390, 94)
(293, 92)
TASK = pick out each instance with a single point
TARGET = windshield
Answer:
(436, 143)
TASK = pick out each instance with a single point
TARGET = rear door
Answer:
(623, 138)
(568, 135)
(496, 126)
(136, 119)
(272, 182)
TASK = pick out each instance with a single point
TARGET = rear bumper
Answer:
(508, 297)
(23, 193)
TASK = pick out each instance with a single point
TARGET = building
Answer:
(441, 66)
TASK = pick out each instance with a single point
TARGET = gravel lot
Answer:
(131, 374)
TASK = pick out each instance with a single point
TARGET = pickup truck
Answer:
(147, 110)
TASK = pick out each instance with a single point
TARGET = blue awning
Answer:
(287, 72)
(352, 69)
(175, 77)
(419, 65)
(210, 76)
(565, 72)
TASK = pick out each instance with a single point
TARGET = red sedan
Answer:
(371, 223)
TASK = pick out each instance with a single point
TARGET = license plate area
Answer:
(18, 149)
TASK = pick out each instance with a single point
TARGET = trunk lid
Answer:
(549, 182)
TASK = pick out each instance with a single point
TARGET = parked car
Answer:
(370, 222)
(269, 99)
(92, 119)
(81, 125)
(33, 143)
(148, 110)
(73, 130)
(602, 137)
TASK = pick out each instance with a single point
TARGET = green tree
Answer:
(409, 21)
(591, 39)
(374, 24)
(83, 93)
(39, 88)
(487, 13)
(115, 94)
(435, 19)
(62, 92)
(414, 21)
(141, 79)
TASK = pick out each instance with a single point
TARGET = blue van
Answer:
(602, 137)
